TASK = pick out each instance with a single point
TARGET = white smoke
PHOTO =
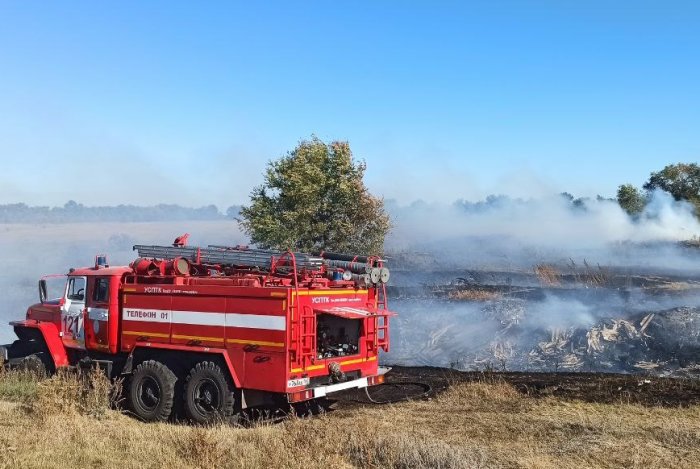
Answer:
(498, 242)
(551, 221)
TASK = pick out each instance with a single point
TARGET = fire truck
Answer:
(206, 332)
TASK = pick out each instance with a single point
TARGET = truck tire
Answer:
(29, 355)
(208, 396)
(34, 365)
(152, 391)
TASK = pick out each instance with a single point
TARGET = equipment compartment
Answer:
(337, 336)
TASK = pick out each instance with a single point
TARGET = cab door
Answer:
(73, 313)
(97, 325)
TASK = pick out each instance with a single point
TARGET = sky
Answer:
(185, 102)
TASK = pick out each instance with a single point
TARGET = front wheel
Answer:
(152, 391)
(208, 396)
(30, 355)
(34, 365)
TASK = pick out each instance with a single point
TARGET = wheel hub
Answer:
(206, 397)
(150, 393)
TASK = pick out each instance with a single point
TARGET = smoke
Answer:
(443, 333)
(517, 334)
(547, 221)
(508, 232)
(469, 295)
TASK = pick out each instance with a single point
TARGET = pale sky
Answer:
(177, 102)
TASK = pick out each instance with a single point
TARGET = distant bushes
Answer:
(74, 212)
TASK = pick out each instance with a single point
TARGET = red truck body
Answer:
(276, 334)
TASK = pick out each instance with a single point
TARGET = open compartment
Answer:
(338, 331)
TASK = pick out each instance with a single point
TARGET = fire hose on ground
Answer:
(426, 389)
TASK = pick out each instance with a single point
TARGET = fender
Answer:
(53, 342)
(190, 348)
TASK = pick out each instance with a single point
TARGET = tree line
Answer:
(72, 212)
(681, 181)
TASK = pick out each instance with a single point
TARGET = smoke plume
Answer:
(525, 284)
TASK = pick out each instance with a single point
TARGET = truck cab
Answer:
(88, 312)
(80, 316)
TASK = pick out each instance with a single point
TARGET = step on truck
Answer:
(207, 332)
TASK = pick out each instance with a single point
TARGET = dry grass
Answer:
(91, 394)
(17, 385)
(585, 274)
(473, 294)
(590, 276)
(486, 424)
(548, 275)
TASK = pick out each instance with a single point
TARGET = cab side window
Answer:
(76, 289)
(101, 291)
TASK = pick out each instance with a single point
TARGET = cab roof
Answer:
(101, 271)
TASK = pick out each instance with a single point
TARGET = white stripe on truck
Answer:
(205, 318)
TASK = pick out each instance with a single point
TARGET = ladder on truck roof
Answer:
(222, 255)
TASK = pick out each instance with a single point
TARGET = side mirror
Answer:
(42, 290)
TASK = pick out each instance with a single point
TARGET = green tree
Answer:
(681, 180)
(314, 198)
(630, 199)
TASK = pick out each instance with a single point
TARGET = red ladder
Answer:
(382, 320)
(302, 335)
(307, 336)
(302, 324)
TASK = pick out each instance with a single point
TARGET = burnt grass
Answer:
(589, 286)
(592, 285)
(532, 319)
(602, 388)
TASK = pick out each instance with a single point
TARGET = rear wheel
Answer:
(208, 396)
(152, 391)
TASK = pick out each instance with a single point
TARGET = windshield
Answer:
(55, 287)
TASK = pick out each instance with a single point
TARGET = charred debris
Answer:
(575, 316)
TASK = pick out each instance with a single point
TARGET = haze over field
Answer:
(500, 235)
(524, 232)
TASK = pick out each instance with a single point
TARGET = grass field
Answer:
(55, 423)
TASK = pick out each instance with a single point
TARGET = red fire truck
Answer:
(209, 331)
